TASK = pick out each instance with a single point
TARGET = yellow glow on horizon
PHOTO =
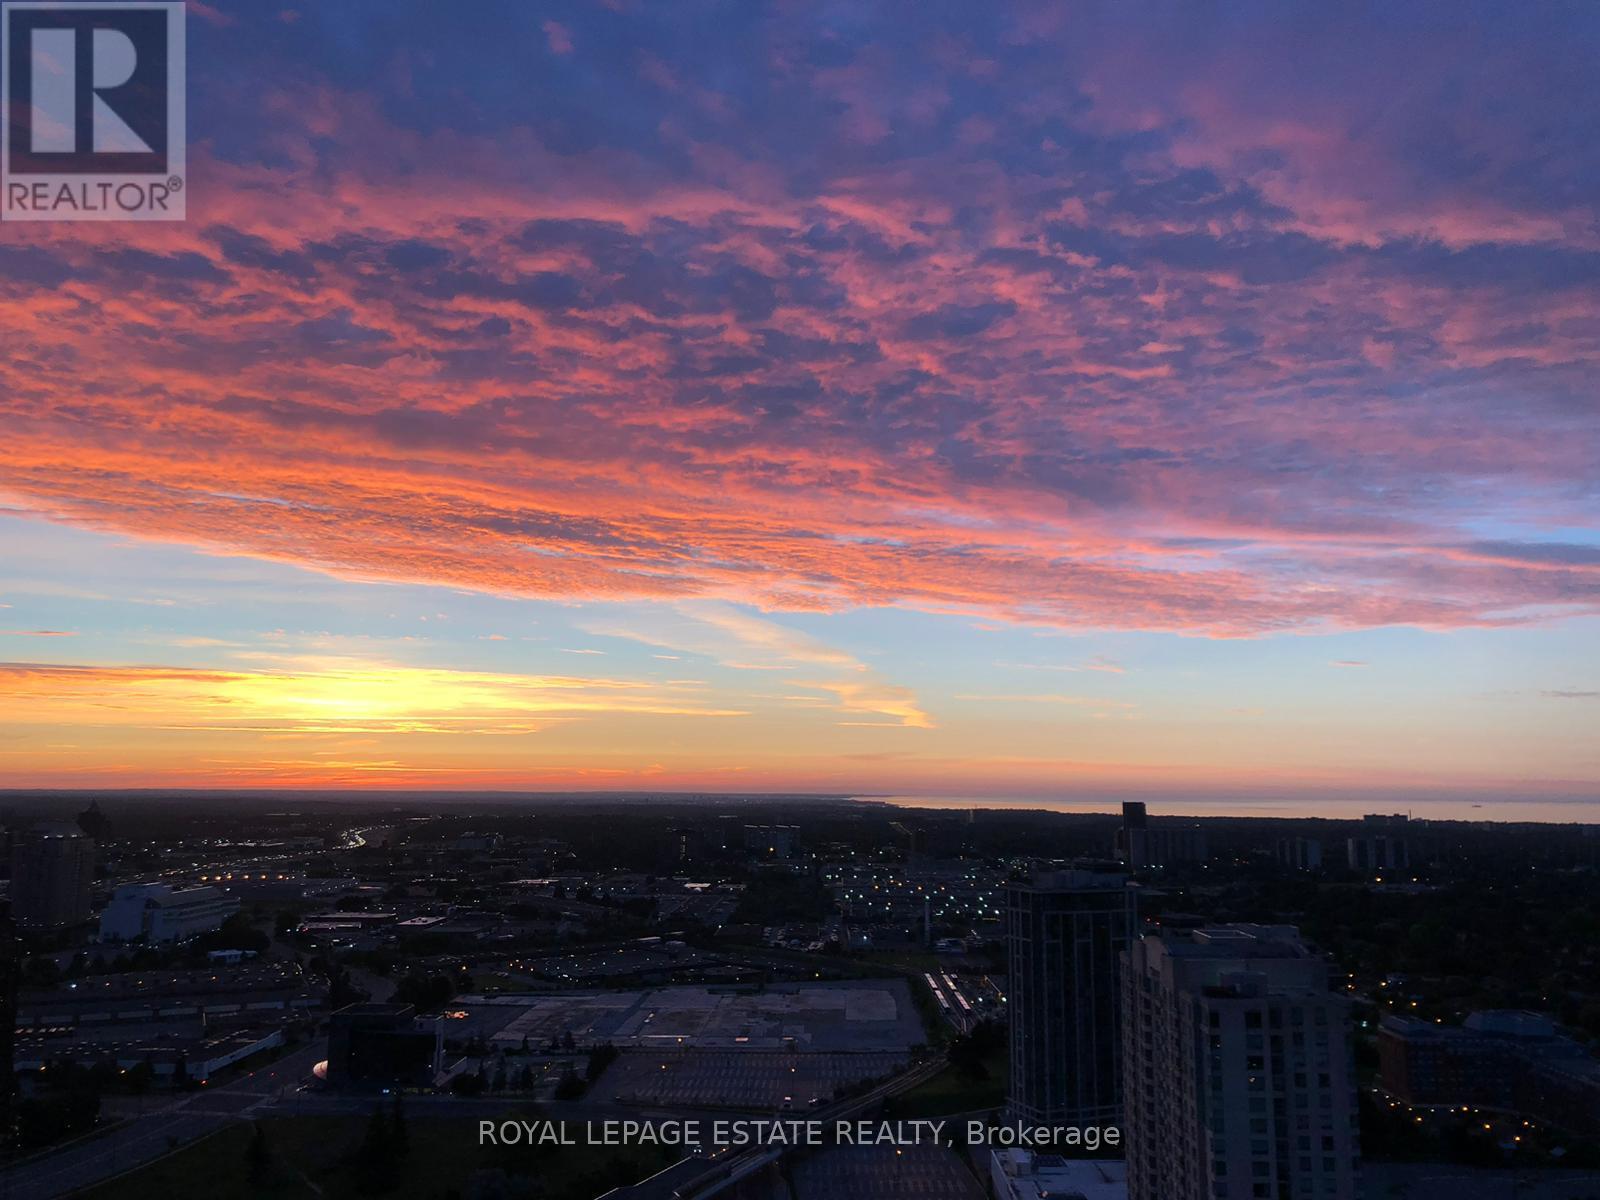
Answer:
(338, 696)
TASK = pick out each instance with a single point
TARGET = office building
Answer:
(1024, 1175)
(1299, 853)
(1381, 844)
(1135, 824)
(1370, 853)
(1066, 932)
(374, 1046)
(52, 872)
(10, 980)
(1144, 846)
(213, 995)
(1516, 1062)
(771, 841)
(159, 913)
(174, 1057)
(1237, 1069)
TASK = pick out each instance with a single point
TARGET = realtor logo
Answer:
(92, 111)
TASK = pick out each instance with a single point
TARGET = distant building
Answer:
(1299, 853)
(374, 1046)
(337, 922)
(1238, 1074)
(459, 925)
(1065, 933)
(1135, 825)
(94, 824)
(1144, 846)
(52, 873)
(279, 887)
(1381, 844)
(160, 913)
(1023, 1175)
(10, 979)
(1516, 1061)
(771, 841)
(681, 850)
(173, 1058)
(216, 993)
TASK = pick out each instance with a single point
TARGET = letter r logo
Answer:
(54, 62)
(88, 88)
(93, 120)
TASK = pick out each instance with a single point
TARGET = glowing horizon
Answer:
(1032, 401)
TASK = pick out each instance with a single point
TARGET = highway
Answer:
(149, 1136)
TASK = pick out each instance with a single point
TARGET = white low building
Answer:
(158, 912)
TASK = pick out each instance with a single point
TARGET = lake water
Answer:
(1556, 810)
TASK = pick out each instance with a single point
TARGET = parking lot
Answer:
(769, 1081)
(856, 1016)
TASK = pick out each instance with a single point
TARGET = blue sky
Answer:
(1041, 400)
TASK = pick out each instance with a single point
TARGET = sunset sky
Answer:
(965, 399)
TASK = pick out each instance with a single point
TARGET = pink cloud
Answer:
(1264, 375)
(558, 37)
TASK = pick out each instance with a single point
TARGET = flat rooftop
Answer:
(1075, 879)
(1237, 941)
(1033, 1176)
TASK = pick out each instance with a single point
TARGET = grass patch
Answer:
(907, 962)
(953, 1091)
(310, 1153)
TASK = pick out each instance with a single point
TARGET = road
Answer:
(1444, 1181)
(724, 1167)
(147, 1137)
(275, 1090)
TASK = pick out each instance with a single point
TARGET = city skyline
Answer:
(1033, 403)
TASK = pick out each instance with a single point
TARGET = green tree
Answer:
(375, 1161)
(601, 1057)
(570, 1087)
(140, 1076)
(257, 1157)
(397, 1127)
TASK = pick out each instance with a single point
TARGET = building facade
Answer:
(1066, 933)
(1510, 1061)
(374, 1046)
(1373, 852)
(1381, 845)
(1016, 1174)
(1299, 853)
(1143, 846)
(10, 981)
(1237, 1069)
(52, 876)
(771, 841)
(160, 913)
